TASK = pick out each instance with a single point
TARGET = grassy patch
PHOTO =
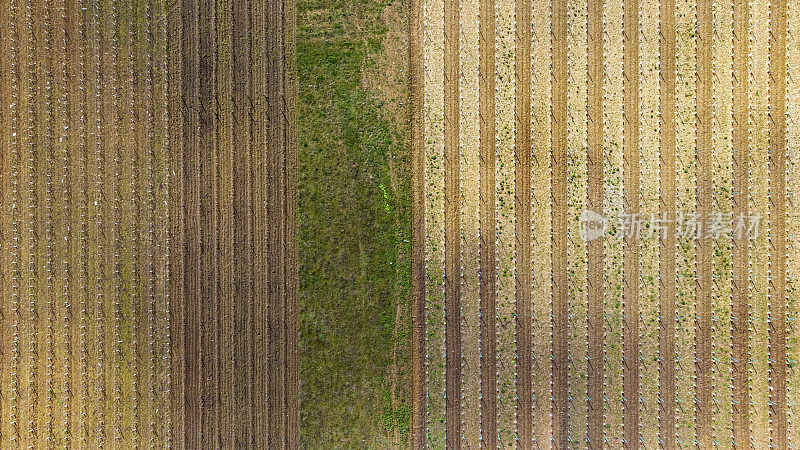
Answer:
(353, 232)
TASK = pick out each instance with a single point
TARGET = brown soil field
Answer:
(148, 271)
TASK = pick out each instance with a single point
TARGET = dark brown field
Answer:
(148, 269)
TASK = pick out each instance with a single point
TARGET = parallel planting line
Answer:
(522, 209)
(559, 182)
(740, 311)
(452, 216)
(631, 269)
(777, 226)
(594, 200)
(488, 232)
(667, 257)
(704, 244)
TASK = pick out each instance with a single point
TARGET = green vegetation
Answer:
(354, 228)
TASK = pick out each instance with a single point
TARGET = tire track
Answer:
(559, 224)
(667, 271)
(630, 274)
(523, 224)
(594, 202)
(777, 225)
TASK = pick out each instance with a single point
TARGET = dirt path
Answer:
(668, 293)
(630, 281)
(595, 269)
(777, 226)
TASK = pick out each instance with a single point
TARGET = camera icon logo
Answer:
(592, 225)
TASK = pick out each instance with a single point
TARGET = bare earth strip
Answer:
(559, 224)
(542, 332)
(630, 274)
(522, 210)
(667, 270)
(595, 282)
(488, 226)
(777, 225)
